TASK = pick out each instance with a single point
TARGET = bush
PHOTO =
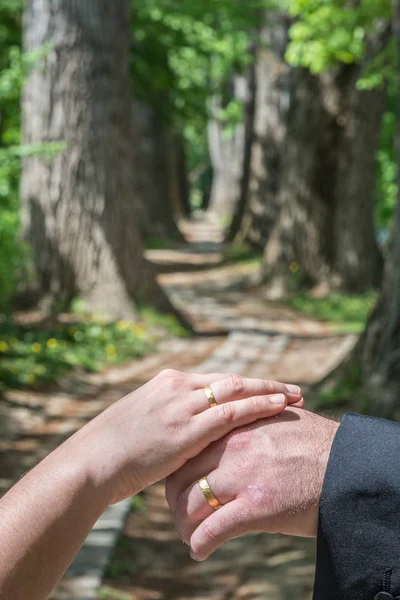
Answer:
(36, 354)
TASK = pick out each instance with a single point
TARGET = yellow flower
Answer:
(137, 330)
(52, 343)
(294, 267)
(3, 346)
(122, 325)
(36, 347)
(110, 349)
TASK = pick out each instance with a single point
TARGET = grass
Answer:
(349, 312)
(34, 354)
(119, 568)
(106, 593)
(158, 323)
(343, 393)
(155, 243)
(239, 253)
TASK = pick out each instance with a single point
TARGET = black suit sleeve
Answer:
(358, 554)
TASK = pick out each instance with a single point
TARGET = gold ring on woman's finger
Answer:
(210, 397)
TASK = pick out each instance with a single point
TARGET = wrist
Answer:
(88, 465)
(104, 461)
(325, 436)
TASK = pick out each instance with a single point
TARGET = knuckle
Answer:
(227, 413)
(270, 386)
(169, 373)
(256, 404)
(236, 383)
(173, 381)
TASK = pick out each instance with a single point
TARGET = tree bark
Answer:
(272, 99)
(249, 118)
(227, 153)
(182, 200)
(326, 199)
(378, 351)
(155, 172)
(357, 260)
(78, 208)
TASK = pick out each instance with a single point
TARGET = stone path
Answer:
(240, 332)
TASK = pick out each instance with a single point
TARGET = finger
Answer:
(213, 424)
(192, 507)
(202, 380)
(192, 471)
(299, 404)
(229, 522)
(235, 387)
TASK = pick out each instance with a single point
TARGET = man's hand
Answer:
(268, 476)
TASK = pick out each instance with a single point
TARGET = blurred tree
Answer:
(156, 174)
(11, 80)
(325, 227)
(378, 351)
(260, 205)
(79, 209)
(227, 146)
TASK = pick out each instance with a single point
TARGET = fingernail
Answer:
(278, 399)
(292, 389)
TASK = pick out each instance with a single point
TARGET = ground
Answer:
(238, 331)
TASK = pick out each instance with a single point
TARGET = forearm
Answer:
(44, 520)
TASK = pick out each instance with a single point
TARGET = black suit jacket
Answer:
(359, 527)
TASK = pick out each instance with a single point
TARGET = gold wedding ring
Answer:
(208, 494)
(210, 397)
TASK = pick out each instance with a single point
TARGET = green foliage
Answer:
(239, 253)
(107, 593)
(326, 32)
(183, 53)
(10, 88)
(120, 568)
(13, 70)
(343, 393)
(386, 181)
(153, 320)
(349, 312)
(35, 354)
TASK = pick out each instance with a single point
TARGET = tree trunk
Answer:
(272, 99)
(78, 208)
(182, 201)
(378, 352)
(155, 172)
(250, 111)
(325, 225)
(358, 262)
(227, 154)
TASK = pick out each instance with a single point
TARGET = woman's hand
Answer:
(156, 429)
(268, 477)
